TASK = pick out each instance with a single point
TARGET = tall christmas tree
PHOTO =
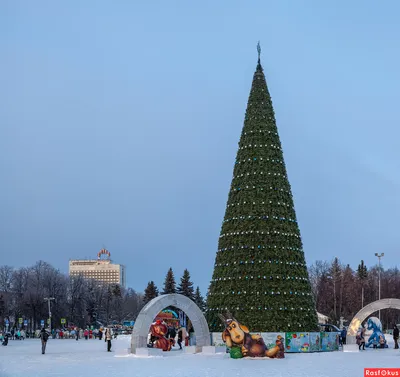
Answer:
(260, 273)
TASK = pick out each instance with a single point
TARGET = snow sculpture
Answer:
(377, 338)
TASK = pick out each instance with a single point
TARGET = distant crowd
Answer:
(45, 334)
(21, 334)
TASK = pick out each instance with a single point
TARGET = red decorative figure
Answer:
(159, 331)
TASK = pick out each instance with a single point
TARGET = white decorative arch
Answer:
(386, 303)
(151, 309)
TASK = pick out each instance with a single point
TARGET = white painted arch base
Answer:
(149, 352)
(193, 349)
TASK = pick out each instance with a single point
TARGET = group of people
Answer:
(76, 333)
(13, 334)
(44, 336)
(173, 333)
(181, 332)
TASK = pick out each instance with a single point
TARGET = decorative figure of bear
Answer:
(238, 335)
(377, 339)
(158, 331)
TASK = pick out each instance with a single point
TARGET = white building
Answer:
(99, 269)
(322, 318)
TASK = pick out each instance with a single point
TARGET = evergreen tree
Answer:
(335, 273)
(186, 286)
(362, 274)
(199, 300)
(260, 273)
(150, 292)
(169, 283)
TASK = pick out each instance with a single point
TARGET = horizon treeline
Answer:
(79, 300)
(340, 291)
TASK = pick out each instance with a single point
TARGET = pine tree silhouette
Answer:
(169, 283)
(199, 300)
(186, 286)
(260, 273)
(150, 292)
(362, 274)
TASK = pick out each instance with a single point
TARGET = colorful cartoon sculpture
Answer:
(377, 338)
(158, 331)
(237, 335)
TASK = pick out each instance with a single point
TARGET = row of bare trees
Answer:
(80, 301)
(340, 291)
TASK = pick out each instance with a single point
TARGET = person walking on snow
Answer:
(396, 336)
(361, 338)
(44, 336)
(343, 335)
(181, 336)
(107, 338)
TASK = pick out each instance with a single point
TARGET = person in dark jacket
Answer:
(343, 335)
(396, 336)
(171, 332)
(44, 336)
(180, 337)
(362, 339)
(5, 340)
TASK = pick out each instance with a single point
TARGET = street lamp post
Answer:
(48, 299)
(379, 277)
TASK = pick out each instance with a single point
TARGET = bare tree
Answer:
(6, 274)
(317, 272)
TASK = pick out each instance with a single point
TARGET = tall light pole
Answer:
(48, 299)
(379, 276)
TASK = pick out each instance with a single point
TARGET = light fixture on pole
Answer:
(48, 299)
(379, 277)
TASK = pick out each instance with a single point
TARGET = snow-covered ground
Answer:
(89, 358)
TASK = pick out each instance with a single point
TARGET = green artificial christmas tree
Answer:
(169, 283)
(260, 273)
(186, 286)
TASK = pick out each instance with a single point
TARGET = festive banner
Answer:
(315, 341)
(294, 342)
(270, 338)
(297, 342)
(329, 341)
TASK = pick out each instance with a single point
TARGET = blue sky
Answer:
(119, 123)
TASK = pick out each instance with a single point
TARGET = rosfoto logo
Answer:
(384, 372)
